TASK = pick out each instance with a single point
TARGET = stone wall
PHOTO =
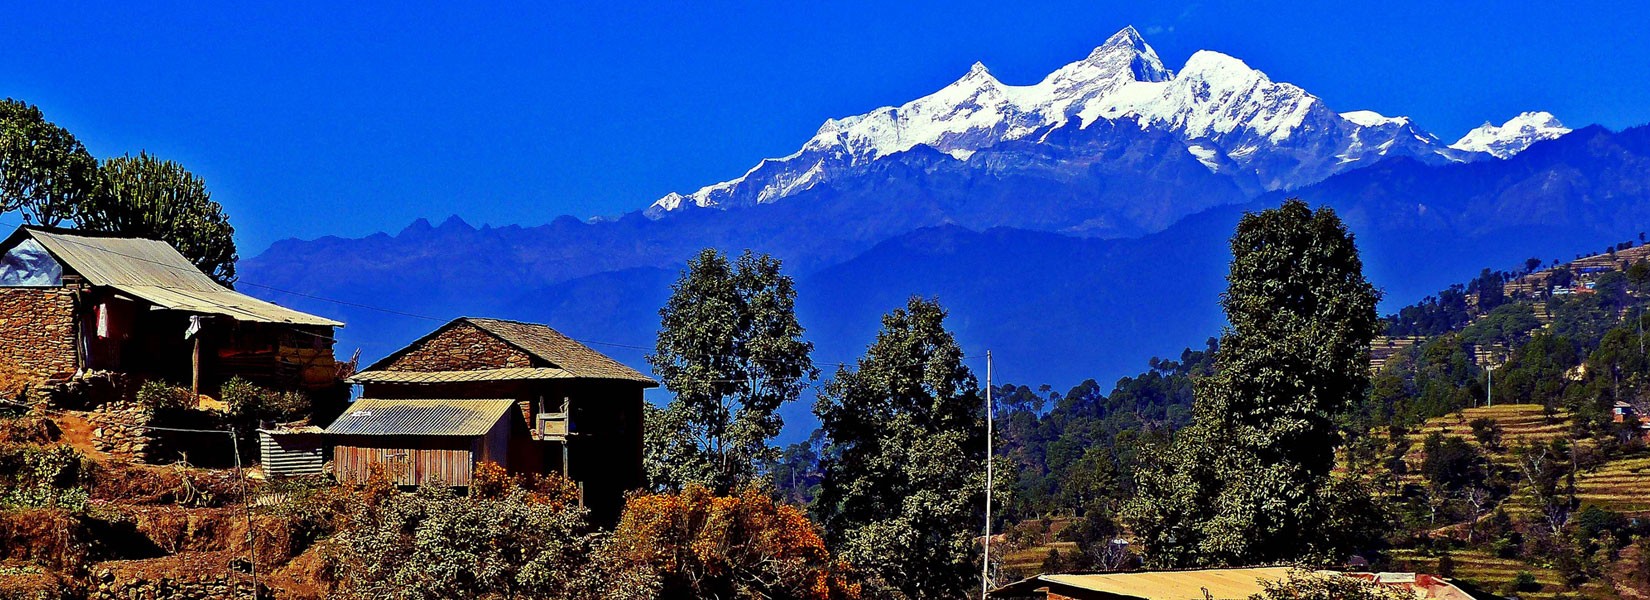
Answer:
(37, 332)
(464, 347)
(120, 429)
(115, 582)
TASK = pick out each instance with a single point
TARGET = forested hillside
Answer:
(1539, 495)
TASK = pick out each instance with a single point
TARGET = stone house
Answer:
(73, 302)
(579, 412)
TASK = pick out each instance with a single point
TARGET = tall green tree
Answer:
(731, 350)
(1249, 481)
(146, 197)
(902, 487)
(44, 171)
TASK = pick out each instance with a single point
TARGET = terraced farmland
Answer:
(1490, 573)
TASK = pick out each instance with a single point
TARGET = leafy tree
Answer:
(146, 197)
(901, 496)
(1450, 463)
(745, 546)
(1249, 481)
(795, 475)
(1487, 431)
(731, 350)
(44, 171)
(1509, 324)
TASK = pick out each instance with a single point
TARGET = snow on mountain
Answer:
(1513, 136)
(1235, 119)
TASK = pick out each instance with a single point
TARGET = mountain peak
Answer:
(1127, 37)
(1215, 66)
(977, 75)
(1124, 51)
(1513, 136)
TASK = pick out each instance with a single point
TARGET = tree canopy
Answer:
(1249, 481)
(150, 198)
(44, 171)
(901, 496)
(731, 350)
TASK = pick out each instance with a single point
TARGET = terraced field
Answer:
(1490, 573)
(1620, 485)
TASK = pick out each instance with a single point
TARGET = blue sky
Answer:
(317, 119)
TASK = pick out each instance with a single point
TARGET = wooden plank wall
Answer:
(408, 462)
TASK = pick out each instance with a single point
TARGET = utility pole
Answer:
(1489, 386)
(985, 567)
(246, 502)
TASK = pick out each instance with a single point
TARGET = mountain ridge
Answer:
(1237, 120)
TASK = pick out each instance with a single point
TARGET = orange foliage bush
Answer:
(745, 546)
(490, 481)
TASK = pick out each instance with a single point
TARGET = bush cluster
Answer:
(249, 401)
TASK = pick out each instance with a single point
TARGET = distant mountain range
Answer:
(1252, 132)
(1075, 227)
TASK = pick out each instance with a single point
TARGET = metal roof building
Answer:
(1202, 584)
(74, 301)
(155, 272)
(580, 411)
(421, 442)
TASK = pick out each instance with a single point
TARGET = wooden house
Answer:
(423, 442)
(1622, 412)
(579, 411)
(72, 302)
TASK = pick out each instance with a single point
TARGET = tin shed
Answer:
(292, 451)
(418, 442)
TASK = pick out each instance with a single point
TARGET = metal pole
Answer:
(985, 567)
(246, 503)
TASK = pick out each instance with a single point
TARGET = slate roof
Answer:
(155, 272)
(539, 341)
(381, 416)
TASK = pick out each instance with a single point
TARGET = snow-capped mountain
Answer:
(1513, 136)
(1232, 118)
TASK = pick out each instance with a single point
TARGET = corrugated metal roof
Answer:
(513, 374)
(380, 416)
(155, 272)
(286, 455)
(1218, 584)
(1221, 584)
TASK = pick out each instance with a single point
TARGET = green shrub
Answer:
(159, 396)
(43, 477)
(1523, 582)
(249, 401)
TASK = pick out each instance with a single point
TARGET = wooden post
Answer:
(195, 380)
